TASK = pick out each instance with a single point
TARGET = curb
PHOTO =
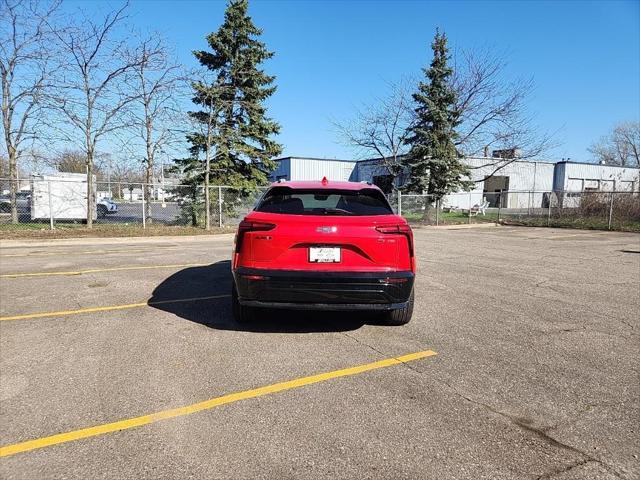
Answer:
(462, 226)
(61, 242)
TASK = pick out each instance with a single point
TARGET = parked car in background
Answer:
(106, 206)
(324, 246)
(23, 202)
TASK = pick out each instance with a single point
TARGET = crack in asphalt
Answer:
(540, 433)
(565, 469)
(380, 352)
(595, 314)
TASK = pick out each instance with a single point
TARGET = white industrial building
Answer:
(518, 184)
(305, 168)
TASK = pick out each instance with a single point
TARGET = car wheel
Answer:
(400, 316)
(241, 313)
(5, 208)
(102, 211)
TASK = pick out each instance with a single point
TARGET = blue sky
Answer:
(332, 56)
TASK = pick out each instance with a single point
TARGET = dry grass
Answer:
(42, 231)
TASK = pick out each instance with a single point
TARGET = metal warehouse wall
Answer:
(578, 176)
(283, 169)
(315, 169)
(367, 169)
(523, 176)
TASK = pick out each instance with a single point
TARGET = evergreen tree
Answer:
(240, 144)
(232, 130)
(434, 163)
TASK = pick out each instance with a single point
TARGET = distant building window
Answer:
(591, 185)
(626, 186)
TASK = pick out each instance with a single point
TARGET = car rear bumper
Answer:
(323, 290)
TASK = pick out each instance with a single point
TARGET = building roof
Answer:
(493, 159)
(571, 162)
(315, 158)
(324, 184)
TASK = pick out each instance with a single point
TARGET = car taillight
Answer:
(250, 226)
(400, 229)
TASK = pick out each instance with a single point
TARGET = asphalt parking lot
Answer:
(118, 358)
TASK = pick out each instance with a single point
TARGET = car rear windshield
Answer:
(286, 200)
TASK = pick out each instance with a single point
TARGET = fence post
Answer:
(437, 211)
(220, 206)
(549, 211)
(51, 225)
(500, 205)
(144, 219)
(399, 202)
(611, 211)
(469, 217)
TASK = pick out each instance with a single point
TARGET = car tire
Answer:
(241, 313)
(102, 211)
(5, 208)
(401, 316)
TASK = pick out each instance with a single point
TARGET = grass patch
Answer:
(449, 218)
(70, 230)
(579, 222)
(585, 223)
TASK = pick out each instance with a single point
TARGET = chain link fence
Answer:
(51, 202)
(45, 202)
(593, 210)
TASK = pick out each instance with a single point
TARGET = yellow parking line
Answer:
(204, 405)
(84, 252)
(97, 270)
(556, 237)
(586, 233)
(63, 313)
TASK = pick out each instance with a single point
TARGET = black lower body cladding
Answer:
(323, 290)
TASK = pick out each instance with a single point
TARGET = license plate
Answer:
(324, 254)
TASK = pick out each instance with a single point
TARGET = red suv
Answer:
(324, 245)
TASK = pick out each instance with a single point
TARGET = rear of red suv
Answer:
(324, 245)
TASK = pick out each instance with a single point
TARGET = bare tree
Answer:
(492, 114)
(71, 161)
(25, 73)
(93, 95)
(75, 161)
(156, 80)
(121, 173)
(206, 123)
(620, 147)
(210, 94)
(380, 129)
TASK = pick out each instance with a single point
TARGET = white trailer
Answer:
(63, 194)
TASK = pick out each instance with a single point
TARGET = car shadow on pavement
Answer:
(215, 279)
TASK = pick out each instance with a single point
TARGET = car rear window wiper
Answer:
(336, 211)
